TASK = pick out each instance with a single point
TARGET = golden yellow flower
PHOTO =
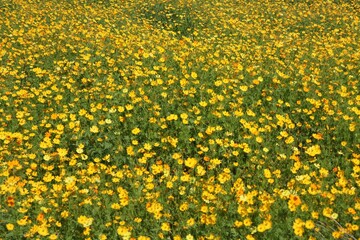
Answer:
(194, 75)
(124, 231)
(43, 230)
(336, 234)
(136, 131)
(165, 227)
(261, 228)
(189, 237)
(238, 224)
(191, 162)
(22, 221)
(327, 212)
(10, 226)
(94, 129)
(247, 222)
(102, 237)
(250, 237)
(313, 150)
(147, 238)
(298, 227)
(53, 237)
(317, 136)
(309, 224)
(184, 207)
(267, 173)
(62, 152)
(190, 222)
(85, 221)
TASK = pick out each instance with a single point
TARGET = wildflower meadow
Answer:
(179, 119)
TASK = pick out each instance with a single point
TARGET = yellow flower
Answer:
(315, 215)
(85, 221)
(259, 139)
(115, 206)
(64, 214)
(86, 231)
(86, 57)
(281, 74)
(336, 234)
(130, 151)
(200, 170)
(23, 221)
(53, 237)
(165, 227)
(62, 152)
(189, 237)
(313, 150)
(136, 131)
(43, 230)
(147, 146)
(194, 75)
(10, 226)
(317, 136)
(261, 228)
(121, 109)
(190, 222)
(249, 237)
(352, 126)
(190, 162)
(289, 140)
(238, 223)
(124, 232)
(47, 157)
(298, 227)
(145, 238)
(172, 117)
(102, 237)
(79, 150)
(203, 103)
(243, 88)
(267, 173)
(129, 107)
(266, 225)
(247, 222)
(94, 129)
(309, 224)
(184, 207)
(82, 112)
(327, 212)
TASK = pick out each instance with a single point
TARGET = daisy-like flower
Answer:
(85, 221)
(313, 150)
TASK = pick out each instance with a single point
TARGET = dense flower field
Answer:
(179, 119)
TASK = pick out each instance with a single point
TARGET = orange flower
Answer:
(318, 136)
(295, 200)
(10, 201)
(40, 217)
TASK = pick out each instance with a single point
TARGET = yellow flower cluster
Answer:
(179, 119)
